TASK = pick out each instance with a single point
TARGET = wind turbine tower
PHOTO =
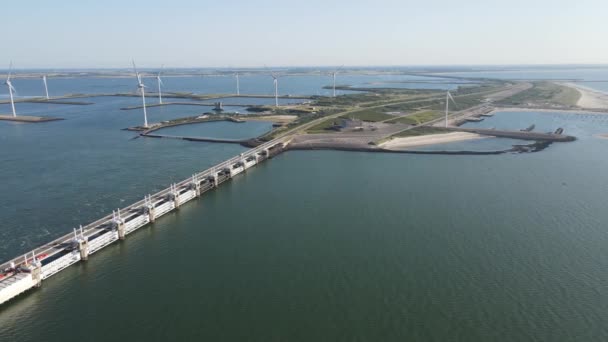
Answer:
(333, 74)
(160, 83)
(11, 89)
(141, 87)
(238, 90)
(46, 87)
(448, 97)
(275, 81)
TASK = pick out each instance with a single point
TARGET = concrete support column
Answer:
(149, 208)
(120, 227)
(83, 247)
(151, 214)
(196, 185)
(120, 224)
(175, 197)
(37, 273)
(215, 180)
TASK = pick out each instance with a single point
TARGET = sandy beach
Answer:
(544, 110)
(271, 118)
(590, 98)
(431, 139)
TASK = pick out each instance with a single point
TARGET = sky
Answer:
(237, 33)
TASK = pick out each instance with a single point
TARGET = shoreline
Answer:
(399, 143)
(546, 110)
(590, 98)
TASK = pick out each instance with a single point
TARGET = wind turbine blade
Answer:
(272, 73)
(451, 98)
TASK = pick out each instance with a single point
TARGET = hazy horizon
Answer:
(294, 68)
(187, 34)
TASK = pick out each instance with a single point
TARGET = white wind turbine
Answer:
(238, 90)
(275, 81)
(333, 74)
(160, 83)
(448, 97)
(141, 87)
(11, 89)
(46, 88)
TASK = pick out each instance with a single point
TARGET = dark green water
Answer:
(333, 246)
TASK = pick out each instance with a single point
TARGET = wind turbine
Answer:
(275, 80)
(333, 74)
(46, 88)
(160, 83)
(11, 89)
(448, 97)
(238, 91)
(141, 87)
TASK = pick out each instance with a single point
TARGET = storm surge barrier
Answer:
(30, 270)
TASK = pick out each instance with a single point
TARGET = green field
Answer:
(418, 118)
(543, 94)
(322, 127)
(369, 115)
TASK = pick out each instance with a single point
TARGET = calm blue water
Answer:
(249, 84)
(74, 171)
(311, 246)
(256, 101)
(596, 78)
(583, 126)
(411, 85)
(588, 74)
(220, 130)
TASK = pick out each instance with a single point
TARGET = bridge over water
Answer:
(30, 270)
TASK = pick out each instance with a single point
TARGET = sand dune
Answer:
(431, 139)
(590, 98)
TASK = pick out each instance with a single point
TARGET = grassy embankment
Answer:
(373, 106)
(544, 94)
(325, 106)
(424, 111)
(418, 117)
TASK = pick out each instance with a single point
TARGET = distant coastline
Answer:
(590, 98)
